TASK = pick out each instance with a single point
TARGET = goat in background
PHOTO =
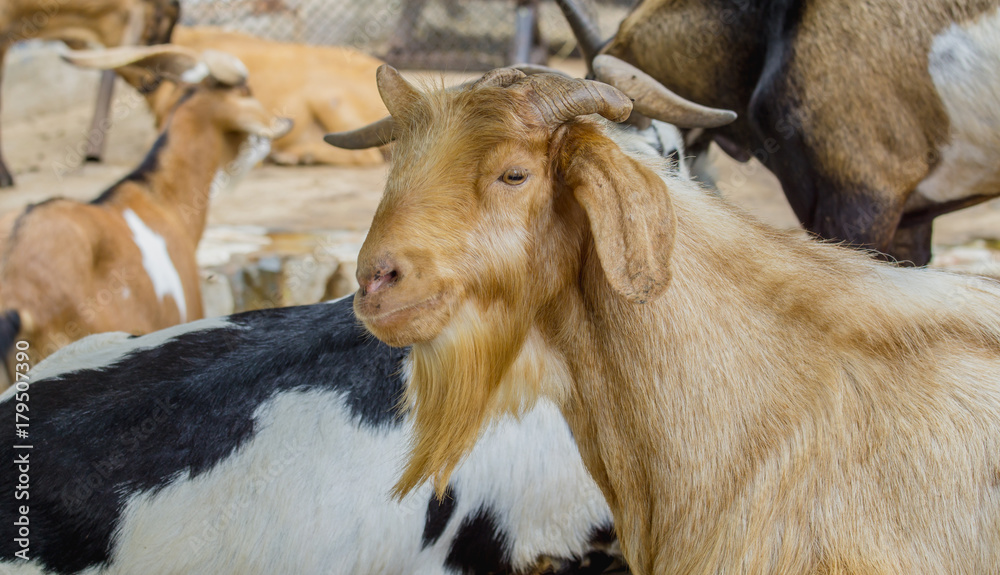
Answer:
(126, 260)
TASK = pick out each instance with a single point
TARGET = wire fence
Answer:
(426, 34)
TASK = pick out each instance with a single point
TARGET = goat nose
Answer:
(383, 275)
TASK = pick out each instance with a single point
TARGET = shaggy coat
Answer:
(747, 400)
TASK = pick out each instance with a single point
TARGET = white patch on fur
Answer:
(309, 494)
(655, 143)
(252, 152)
(540, 477)
(964, 63)
(196, 74)
(20, 567)
(103, 349)
(156, 260)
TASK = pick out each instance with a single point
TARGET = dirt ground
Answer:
(42, 147)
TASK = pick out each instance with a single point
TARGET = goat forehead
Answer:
(468, 121)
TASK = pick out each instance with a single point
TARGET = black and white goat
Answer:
(268, 442)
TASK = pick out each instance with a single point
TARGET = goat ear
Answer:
(629, 209)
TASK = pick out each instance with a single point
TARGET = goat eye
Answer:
(514, 176)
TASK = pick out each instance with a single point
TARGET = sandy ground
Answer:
(42, 147)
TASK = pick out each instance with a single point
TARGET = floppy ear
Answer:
(628, 206)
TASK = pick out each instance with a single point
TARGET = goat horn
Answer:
(371, 136)
(397, 94)
(532, 69)
(166, 59)
(500, 77)
(225, 68)
(653, 99)
(560, 99)
(585, 31)
(557, 97)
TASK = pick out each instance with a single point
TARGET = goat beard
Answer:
(477, 370)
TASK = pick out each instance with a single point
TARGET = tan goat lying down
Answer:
(321, 88)
(126, 260)
(747, 400)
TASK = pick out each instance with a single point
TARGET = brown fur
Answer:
(782, 406)
(847, 117)
(73, 269)
(321, 88)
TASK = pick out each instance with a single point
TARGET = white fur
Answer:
(253, 150)
(964, 63)
(195, 74)
(654, 144)
(156, 260)
(309, 494)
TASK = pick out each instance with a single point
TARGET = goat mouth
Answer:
(401, 314)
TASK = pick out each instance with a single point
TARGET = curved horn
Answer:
(586, 32)
(556, 96)
(397, 94)
(500, 77)
(166, 59)
(653, 99)
(532, 69)
(371, 136)
(560, 99)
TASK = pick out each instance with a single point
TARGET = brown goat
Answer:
(749, 401)
(126, 260)
(875, 117)
(321, 88)
(80, 23)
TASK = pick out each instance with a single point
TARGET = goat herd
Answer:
(582, 358)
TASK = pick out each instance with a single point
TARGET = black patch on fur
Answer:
(10, 326)
(439, 511)
(594, 563)
(141, 174)
(101, 436)
(480, 547)
(774, 113)
(603, 535)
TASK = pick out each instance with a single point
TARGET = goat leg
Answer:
(6, 180)
(97, 135)
(911, 245)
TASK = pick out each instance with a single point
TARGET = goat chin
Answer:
(487, 363)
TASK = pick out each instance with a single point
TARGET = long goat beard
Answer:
(477, 370)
